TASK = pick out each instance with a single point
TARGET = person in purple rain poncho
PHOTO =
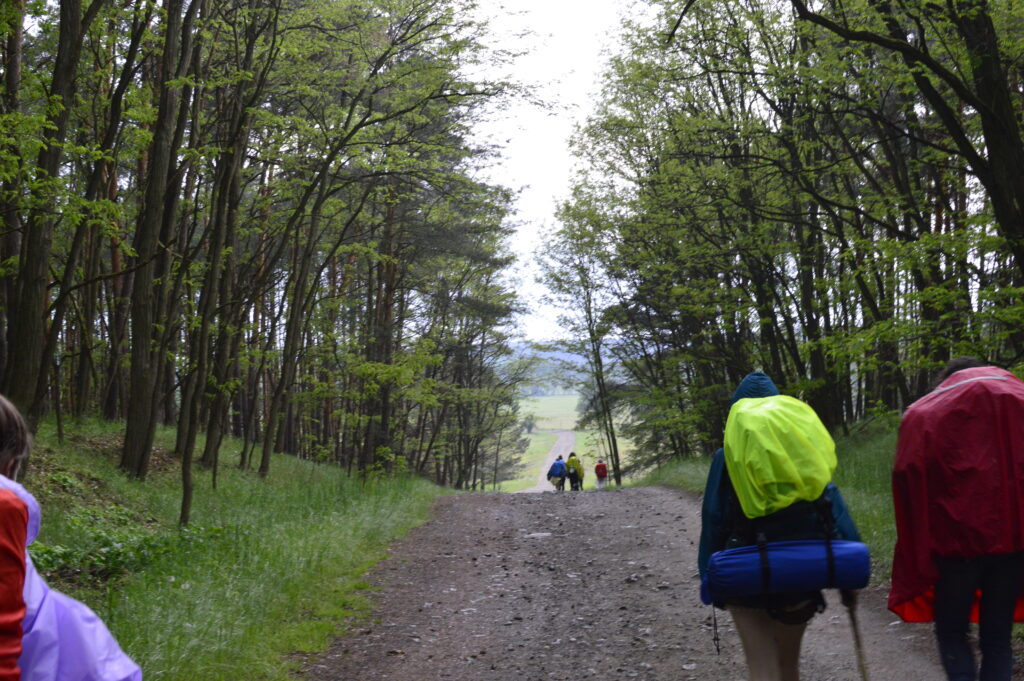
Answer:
(61, 639)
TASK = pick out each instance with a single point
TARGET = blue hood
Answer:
(754, 384)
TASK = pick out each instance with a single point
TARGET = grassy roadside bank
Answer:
(268, 567)
(865, 462)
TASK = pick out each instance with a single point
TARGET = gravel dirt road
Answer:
(580, 585)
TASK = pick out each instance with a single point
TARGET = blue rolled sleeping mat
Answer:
(786, 566)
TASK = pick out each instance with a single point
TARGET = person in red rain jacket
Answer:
(958, 492)
(601, 473)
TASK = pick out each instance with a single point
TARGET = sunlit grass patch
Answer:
(553, 412)
(688, 474)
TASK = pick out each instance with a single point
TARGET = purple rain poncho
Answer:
(62, 639)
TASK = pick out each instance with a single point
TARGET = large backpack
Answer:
(782, 544)
(777, 452)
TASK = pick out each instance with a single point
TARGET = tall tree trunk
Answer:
(23, 380)
(143, 398)
(10, 245)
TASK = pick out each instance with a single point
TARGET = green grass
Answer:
(271, 568)
(864, 477)
(556, 412)
(688, 474)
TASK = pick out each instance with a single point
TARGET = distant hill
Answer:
(557, 372)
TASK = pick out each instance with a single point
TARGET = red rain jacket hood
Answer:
(958, 482)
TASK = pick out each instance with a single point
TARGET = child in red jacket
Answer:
(44, 635)
(601, 472)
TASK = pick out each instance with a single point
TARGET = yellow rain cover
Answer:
(777, 452)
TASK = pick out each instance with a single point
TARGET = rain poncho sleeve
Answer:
(958, 483)
(714, 512)
(63, 640)
(845, 527)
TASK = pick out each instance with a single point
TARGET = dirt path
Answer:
(579, 585)
(563, 445)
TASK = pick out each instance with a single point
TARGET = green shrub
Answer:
(106, 554)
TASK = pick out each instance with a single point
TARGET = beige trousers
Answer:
(772, 648)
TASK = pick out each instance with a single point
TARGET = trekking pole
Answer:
(858, 645)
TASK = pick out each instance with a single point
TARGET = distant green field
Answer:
(557, 412)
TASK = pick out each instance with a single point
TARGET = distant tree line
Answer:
(832, 192)
(257, 218)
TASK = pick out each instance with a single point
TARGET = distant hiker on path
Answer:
(556, 474)
(575, 467)
(601, 473)
(958, 492)
(771, 625)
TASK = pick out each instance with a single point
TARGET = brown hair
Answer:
(957, 364)
(15, 437)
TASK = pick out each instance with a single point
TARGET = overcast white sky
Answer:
(564, 57)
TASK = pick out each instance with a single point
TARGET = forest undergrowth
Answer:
(267, 568)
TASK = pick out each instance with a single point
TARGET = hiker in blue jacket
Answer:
(557, 473)
(771, 627)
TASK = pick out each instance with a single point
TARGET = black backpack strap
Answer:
(766, 570)
(824, 506)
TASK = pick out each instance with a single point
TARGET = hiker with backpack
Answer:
(771, 484)
(575, 470)
(958, 493)
(557, 473)
(601, 473)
